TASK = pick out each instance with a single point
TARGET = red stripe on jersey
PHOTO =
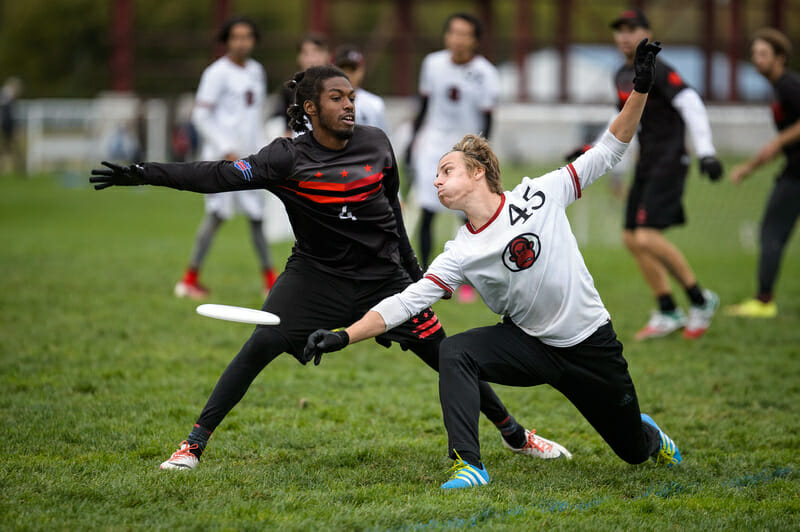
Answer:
(332, 199)
(342, 187)
(494, 216)
(674, 79)
(430, 331)
(425, 325)
(575, 182)
(441, 284)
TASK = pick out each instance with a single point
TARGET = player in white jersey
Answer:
(229, 115)
(458, 90)
(370, 108)
(518, 251)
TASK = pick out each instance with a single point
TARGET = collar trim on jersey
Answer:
(494, 216)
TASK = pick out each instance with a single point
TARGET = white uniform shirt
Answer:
(458, 95)
(229, 108)
(525, 261)
(370, 110)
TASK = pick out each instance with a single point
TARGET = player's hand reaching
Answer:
(117, 175)
(324, 341)
(644, 65)
(711, 166)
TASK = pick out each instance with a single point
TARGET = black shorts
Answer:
(306, 299)
(654, 199)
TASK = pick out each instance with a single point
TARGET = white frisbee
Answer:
(239, 314)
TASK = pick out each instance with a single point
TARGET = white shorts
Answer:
(429, 147)
(226, 204)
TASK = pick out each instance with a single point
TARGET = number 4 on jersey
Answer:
(535, 201)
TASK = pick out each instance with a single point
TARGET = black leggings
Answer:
(593, 375)
(307, 299)
(779, 220)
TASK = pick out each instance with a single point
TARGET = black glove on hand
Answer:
(711, 167)
(116, 175)
(323, 341)
(644, 65)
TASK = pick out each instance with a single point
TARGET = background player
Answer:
(519, 252)
(458, 91)
(654, 200)
(339, 184)
(370, 108)
(312, 50)
(229, 115)
(770, 52)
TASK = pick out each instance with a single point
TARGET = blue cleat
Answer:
(668, 454)
(466, 475)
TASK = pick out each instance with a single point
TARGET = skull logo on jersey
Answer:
(521, 252)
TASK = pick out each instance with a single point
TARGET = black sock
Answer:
(666, 303)
(200, 436)
(471, 458)
(696, 295)
(512, 432)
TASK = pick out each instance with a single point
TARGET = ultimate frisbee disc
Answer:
(239, 314)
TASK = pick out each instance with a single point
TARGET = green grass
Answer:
(103, 372)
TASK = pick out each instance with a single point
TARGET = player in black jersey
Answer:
(654, 200)
(770, 52)
(339, 184)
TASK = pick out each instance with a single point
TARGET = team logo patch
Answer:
(245, 168)
(521, 252)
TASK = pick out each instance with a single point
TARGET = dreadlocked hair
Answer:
(306, 86)
(478, 154)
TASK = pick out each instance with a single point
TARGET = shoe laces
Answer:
(458, 465)
(538, 443)
(185, 450)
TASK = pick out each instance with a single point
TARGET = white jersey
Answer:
(525, 262)
(229, 108)
(370, 110)
(229, 115)
(458, 96)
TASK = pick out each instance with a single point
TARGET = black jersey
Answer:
(661, 130)
(342, 204)
(786, 111)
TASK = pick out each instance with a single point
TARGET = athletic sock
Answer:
(190, 277)
(764, 298)
(696, 295)
(666, 304)
(471, 458)
(200, 436)
(269, 278)
(513, 433)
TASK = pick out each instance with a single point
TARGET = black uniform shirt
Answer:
(661, 130)
(342, 204)
(786, 110)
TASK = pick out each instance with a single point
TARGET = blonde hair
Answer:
(478, 154)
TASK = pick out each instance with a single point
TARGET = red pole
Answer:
(707, 38)
(522, 44)
(221, 12)
(487, 18)
(563, 40)
(734, 47)
(405, 47)
(318, 16)
(122, 46)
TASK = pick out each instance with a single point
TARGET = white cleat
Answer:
(539, 447)
(700, 316)
(662, 323)
(182, 458)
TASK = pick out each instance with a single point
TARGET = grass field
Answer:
(103, 372)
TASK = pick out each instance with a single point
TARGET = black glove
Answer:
(411, 265)
(383, 342)
(574, 154)
(711, 166)
(644, 65)
(116, 175)
(323, 341)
